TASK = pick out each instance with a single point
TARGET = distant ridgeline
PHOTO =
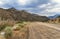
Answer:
(20, 15)
(55, 20)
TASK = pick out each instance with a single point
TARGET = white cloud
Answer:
(55, 8)
(44, 5)
(24, 2)
(56, 1)
(50, 8)
(46, 14)
(3, 2)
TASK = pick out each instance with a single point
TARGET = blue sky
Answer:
(40, 7)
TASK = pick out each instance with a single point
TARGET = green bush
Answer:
(2, 27)
(21, 25)
(19, 22)
(8, 32)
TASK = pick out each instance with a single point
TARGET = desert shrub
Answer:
(2, 27)
(21, 24)
(4, 24)
(8, 32)
(18, 22)
(18, 28)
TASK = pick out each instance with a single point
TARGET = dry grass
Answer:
(18, 34)
(9, 23)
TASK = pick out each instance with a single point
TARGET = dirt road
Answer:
(38, 30)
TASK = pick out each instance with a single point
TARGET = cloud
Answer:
(26, 2)
(44, 5)
(51, 8)
(55, 1)
(56, 7)
(46, 14)
(22, 2)
(2, 2)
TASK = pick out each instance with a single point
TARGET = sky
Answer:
(40, 7)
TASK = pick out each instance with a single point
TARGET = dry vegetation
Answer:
(13, 30)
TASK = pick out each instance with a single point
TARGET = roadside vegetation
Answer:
(13, 29)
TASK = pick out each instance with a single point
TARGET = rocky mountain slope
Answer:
(20, 15)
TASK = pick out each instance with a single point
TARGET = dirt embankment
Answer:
(22, 34)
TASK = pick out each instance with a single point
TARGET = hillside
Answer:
(53, 17)
(20, 15)
(58, 16)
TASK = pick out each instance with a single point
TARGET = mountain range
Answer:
(20, 15)
(53, 17)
